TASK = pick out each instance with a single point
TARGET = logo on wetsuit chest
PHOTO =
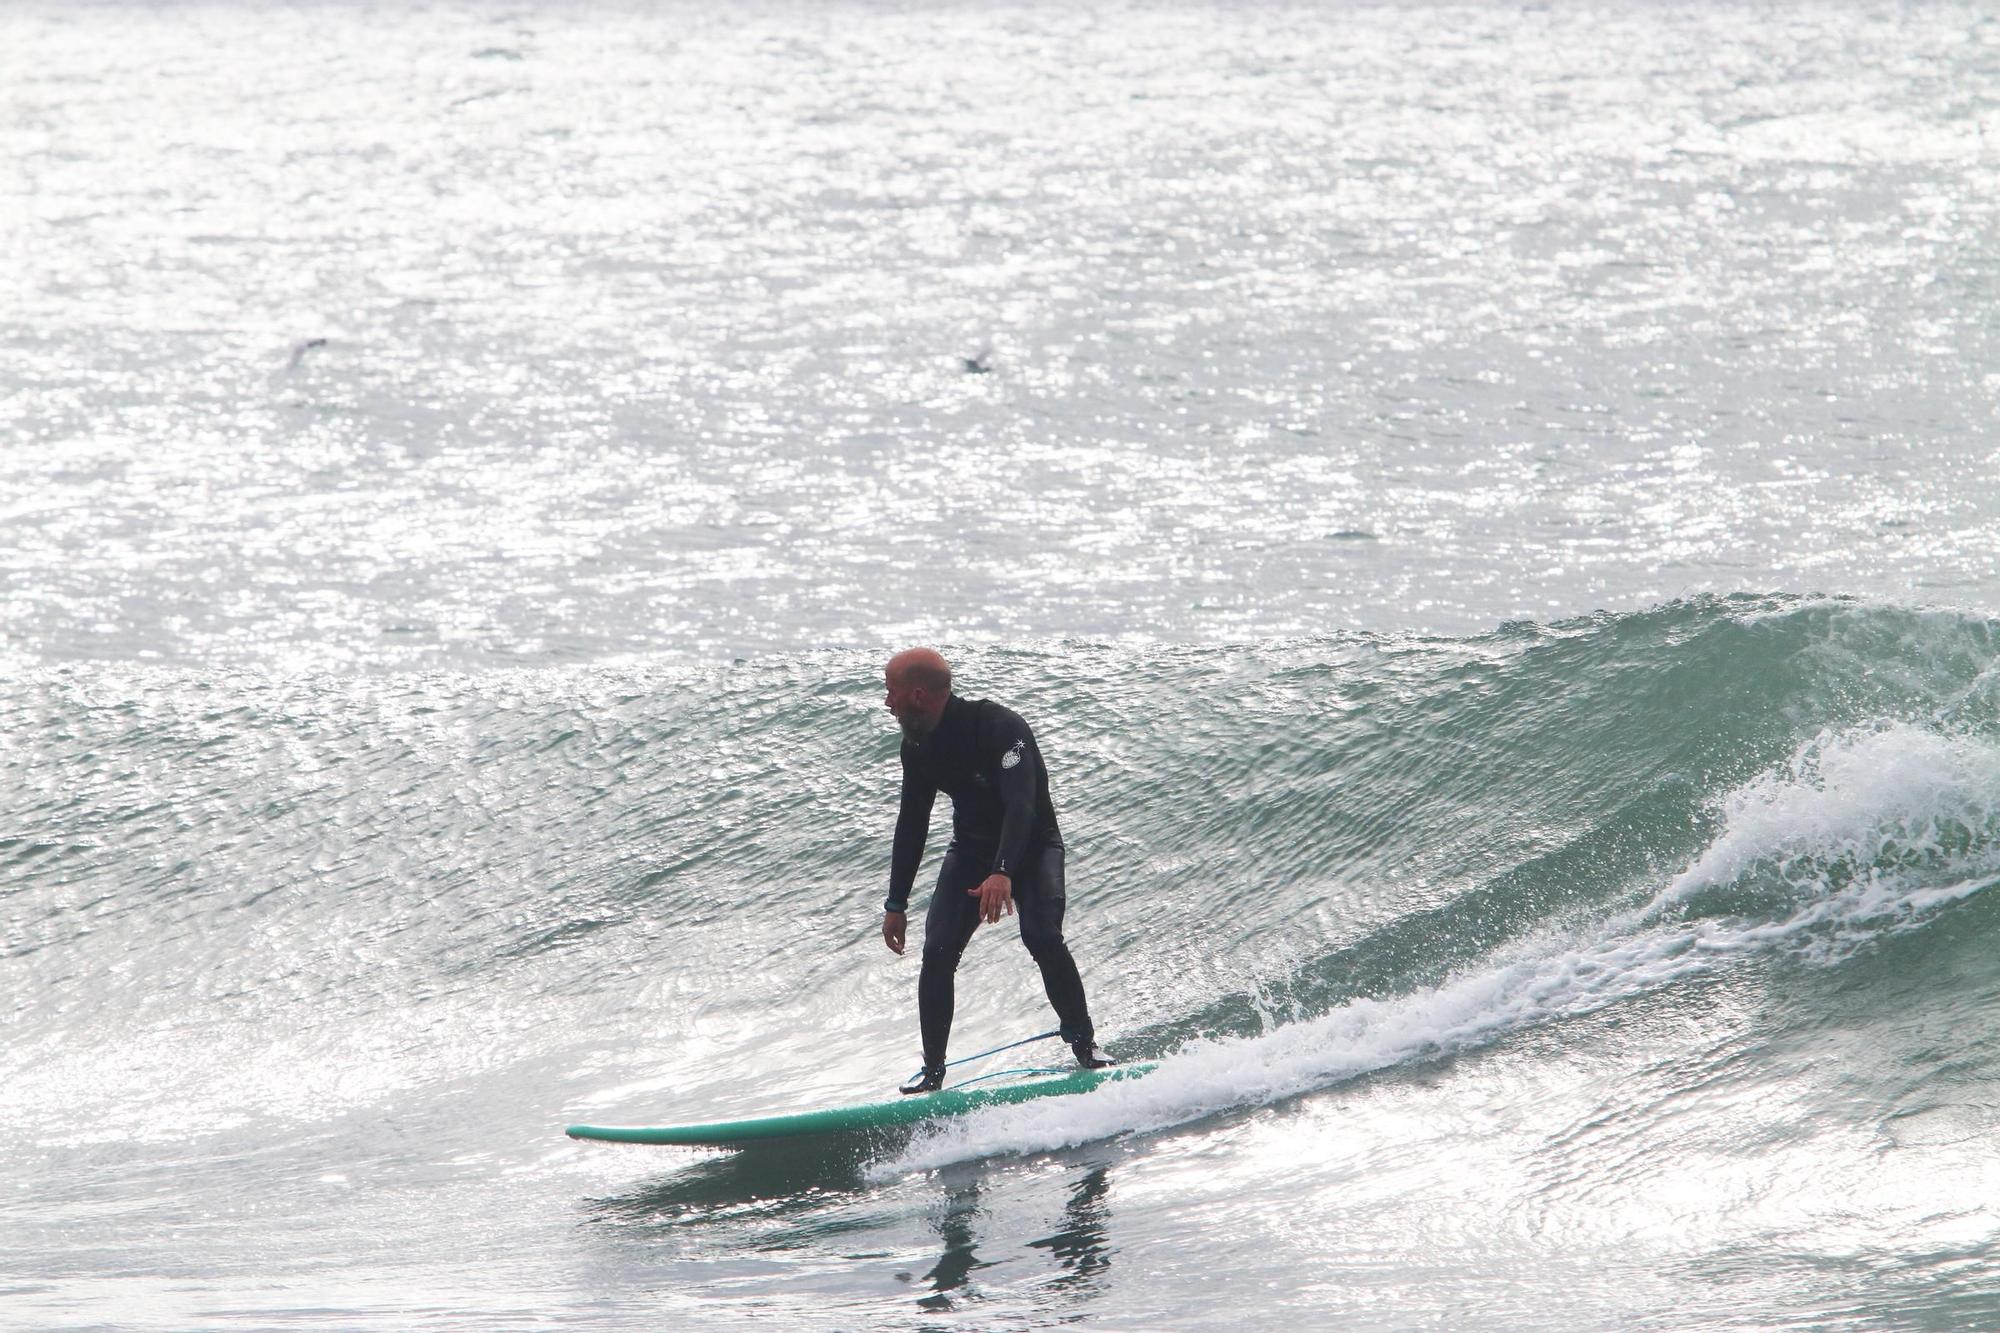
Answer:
(1013, 756)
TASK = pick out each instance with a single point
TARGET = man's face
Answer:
(911, 705)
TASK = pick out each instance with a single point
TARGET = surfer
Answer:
(1006, 854)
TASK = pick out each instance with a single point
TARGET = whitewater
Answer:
(1489, 508)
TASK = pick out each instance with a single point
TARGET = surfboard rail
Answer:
(944, 1103)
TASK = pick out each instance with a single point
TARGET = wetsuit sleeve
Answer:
(1018, 763)
(913, 825)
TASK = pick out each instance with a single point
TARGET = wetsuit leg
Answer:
(1040, 900)
(948, 924)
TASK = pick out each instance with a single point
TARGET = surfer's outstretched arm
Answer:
(913, 825)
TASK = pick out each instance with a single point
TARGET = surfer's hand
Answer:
(892, 930)
(997, 892)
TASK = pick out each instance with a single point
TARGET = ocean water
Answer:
(1491, 509)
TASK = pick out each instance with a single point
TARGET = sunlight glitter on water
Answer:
(604, 295)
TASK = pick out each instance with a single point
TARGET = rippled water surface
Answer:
(1491, 510)
(399, 335)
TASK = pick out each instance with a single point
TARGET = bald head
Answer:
(918, 682)
(921, 666)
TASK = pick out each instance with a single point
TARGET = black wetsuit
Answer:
(1002, 822)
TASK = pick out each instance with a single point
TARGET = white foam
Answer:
(1868, 795)
(1874, 801)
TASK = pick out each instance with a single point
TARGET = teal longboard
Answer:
(1024, 1085)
